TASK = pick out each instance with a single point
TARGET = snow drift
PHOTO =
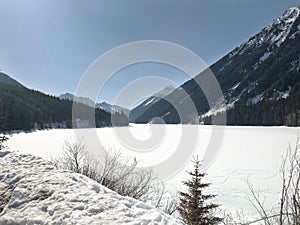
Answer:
(32, 191)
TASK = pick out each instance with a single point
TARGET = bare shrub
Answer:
(118, 173)
(163, 199)
(289, 204)
(72, 158)
(233, 218)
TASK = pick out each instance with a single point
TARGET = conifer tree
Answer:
(195, 207)
(3, 137)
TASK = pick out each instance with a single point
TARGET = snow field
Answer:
(39, 194)
(247, 154)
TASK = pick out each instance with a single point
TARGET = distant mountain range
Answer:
(83, 100)
(260, 80)
(132, 114)
(25, 109)
(112, 108)
(103, 105)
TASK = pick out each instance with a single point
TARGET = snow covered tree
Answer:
(195, 207)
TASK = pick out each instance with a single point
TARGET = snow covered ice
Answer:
(33, 192)
(253, 153)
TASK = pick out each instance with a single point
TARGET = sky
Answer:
(48, 45)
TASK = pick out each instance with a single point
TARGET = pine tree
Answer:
(3, 137)
(194, 206)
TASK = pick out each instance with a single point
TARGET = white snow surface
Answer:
(265, 56)
(253, 153)
(284, 94)
(257, 98)
(235, 86)
(39, 194)
(150, 101)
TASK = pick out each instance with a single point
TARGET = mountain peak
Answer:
(146, 104)
(256, 75)
(66, 96)
(273, 35)
(83, 100)
(112, 108)
(292, 12)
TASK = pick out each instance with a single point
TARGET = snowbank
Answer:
(33, 192)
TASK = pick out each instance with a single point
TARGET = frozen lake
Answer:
(244, 153)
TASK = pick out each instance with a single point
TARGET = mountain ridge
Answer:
(146, 104)
(109, 108)
(262, 70)
(25, 109)
(112, 108)
(79, 99)
(5, 79)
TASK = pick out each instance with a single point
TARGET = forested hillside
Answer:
(25, 109)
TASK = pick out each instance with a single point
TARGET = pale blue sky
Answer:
(47, 45)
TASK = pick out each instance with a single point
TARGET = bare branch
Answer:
(117, 173)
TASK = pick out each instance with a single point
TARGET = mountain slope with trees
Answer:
(5, 79)
(25, 109)
(149, 102)
(260, 80)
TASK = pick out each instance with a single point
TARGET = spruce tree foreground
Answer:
(195, 207)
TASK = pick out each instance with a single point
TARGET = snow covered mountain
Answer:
(149, 102)
(261, 74)
(112, 108)
(33, 192)
(83, 100)
(103, 105)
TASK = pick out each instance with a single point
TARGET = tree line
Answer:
(25, 109)
(282, 112)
